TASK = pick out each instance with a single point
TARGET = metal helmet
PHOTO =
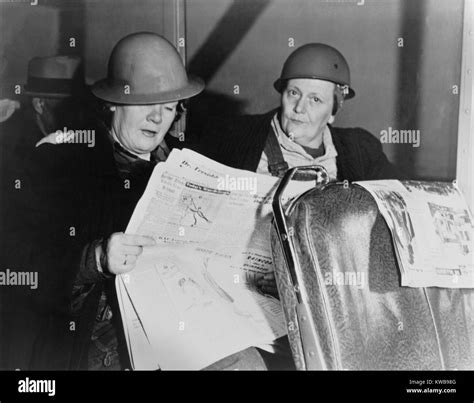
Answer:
(319, 61)
(144, 68)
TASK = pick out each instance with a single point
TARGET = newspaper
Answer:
(432, 231)
(192, 299)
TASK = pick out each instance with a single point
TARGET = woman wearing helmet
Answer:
(81, 200)
(314, 82)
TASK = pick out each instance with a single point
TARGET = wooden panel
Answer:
(466, 120)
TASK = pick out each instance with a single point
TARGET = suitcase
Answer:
(337, 228)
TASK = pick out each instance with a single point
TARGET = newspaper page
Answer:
(195, 292)
(432, 231)
(141, 354)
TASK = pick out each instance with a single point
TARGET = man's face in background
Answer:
(56, 113)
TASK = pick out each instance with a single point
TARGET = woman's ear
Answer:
(331, 119)
(113, 108)
(38, 105)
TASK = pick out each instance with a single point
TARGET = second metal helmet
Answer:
(318, 61)
(144, 68)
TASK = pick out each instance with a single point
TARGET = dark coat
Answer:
(18, 135)
(239, 143)
(71, 195)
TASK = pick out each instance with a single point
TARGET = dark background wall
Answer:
(95, 25)
(245, 42)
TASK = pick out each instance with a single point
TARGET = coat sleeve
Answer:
(45, 235)
(214, 140)
(375, 162)
(236, 141)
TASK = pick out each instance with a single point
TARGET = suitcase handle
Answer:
(285, 235)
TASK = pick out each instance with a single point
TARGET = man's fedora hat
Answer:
(55, 77)
(144, 68)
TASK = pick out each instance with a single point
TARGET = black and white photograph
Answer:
(276, 190)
